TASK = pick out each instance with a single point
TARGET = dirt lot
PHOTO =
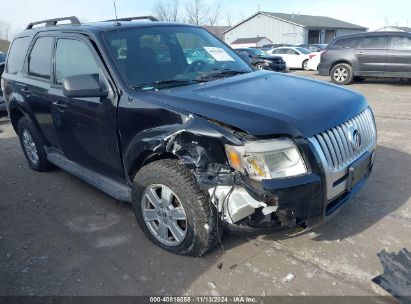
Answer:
(59, 236)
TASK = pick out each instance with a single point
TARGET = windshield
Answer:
(149, 57)
(303, 50)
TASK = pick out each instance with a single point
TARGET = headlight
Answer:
(267, 159)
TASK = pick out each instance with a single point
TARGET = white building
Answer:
(291, 28)
(394, 29)
(250, 42)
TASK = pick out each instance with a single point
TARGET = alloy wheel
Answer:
(30, 147)
(164, 215)
(340, 74)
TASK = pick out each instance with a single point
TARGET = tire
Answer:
(35, 154)
(342, 74)
(200, 228)
(259, 66)
(305, 65)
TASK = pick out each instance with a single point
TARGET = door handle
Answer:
(60, 105)
(360, 53)
(26, 91)
(393, 54)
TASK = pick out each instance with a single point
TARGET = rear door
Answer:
(399, 57)
(36, 86)
(371, 55)
(87, 128)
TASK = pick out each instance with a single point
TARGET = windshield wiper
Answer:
(220, 74)
(164, 83)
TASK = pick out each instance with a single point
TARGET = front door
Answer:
(87, 127)
(399, 57)
(371, 55)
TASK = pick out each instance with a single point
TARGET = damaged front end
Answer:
(231, 166)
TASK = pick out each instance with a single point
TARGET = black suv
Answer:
(262, 61)
(194, 146)
(374, 54)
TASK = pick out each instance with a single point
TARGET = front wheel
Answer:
(259, 66)
(342, 74)
(305, 65)
(173, 211)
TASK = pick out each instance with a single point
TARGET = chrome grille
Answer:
(338, 144)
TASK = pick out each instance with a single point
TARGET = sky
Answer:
(372, 14)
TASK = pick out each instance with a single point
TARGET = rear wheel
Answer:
(172, 210)
(342, 74)
(32, 145)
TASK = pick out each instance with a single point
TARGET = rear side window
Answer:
(17, 54)
(73, 57)
(40, 58)
(401, 43)
(349, 43)
(374, 43)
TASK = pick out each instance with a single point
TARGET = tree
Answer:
(214, 14)
(5, 30)
(168, 10)
(196, 13)
(228, 18)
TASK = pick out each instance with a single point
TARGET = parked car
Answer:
(295, 57)
(2, 102)
(316, 47)
(194, 148)
(262, 61)
(268, 47)
(313, 61)
(371, 54)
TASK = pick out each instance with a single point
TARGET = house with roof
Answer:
(291, 28)
(250, 42)
(389, 28)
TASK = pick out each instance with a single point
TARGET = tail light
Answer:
(312, 56)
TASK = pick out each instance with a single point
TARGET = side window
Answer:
(280, 51)
(40, 58)
(377, 42)
(291, 52)
(348, 43)
(401, 43)
(73, 57)
(15, 59)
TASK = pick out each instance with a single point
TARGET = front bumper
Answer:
(323, 70)
(276, 66)
(335, 177)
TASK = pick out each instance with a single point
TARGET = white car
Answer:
(314, 61)
(294, 57)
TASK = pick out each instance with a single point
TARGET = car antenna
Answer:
(115, 13)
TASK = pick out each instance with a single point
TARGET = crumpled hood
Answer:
(266, 103)
(270, 57)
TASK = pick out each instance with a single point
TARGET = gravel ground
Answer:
(59, 236)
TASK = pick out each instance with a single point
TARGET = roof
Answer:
(97, 27)
(307, 21)
(402, 28)
(249, 40)
(217, 30)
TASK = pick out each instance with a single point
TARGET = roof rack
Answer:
(52, 22)
(151, 18)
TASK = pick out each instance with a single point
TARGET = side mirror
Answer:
(83, 86)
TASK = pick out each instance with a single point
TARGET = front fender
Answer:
(196, 143)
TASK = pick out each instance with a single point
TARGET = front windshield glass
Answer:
(149, 57)
(303, 50)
